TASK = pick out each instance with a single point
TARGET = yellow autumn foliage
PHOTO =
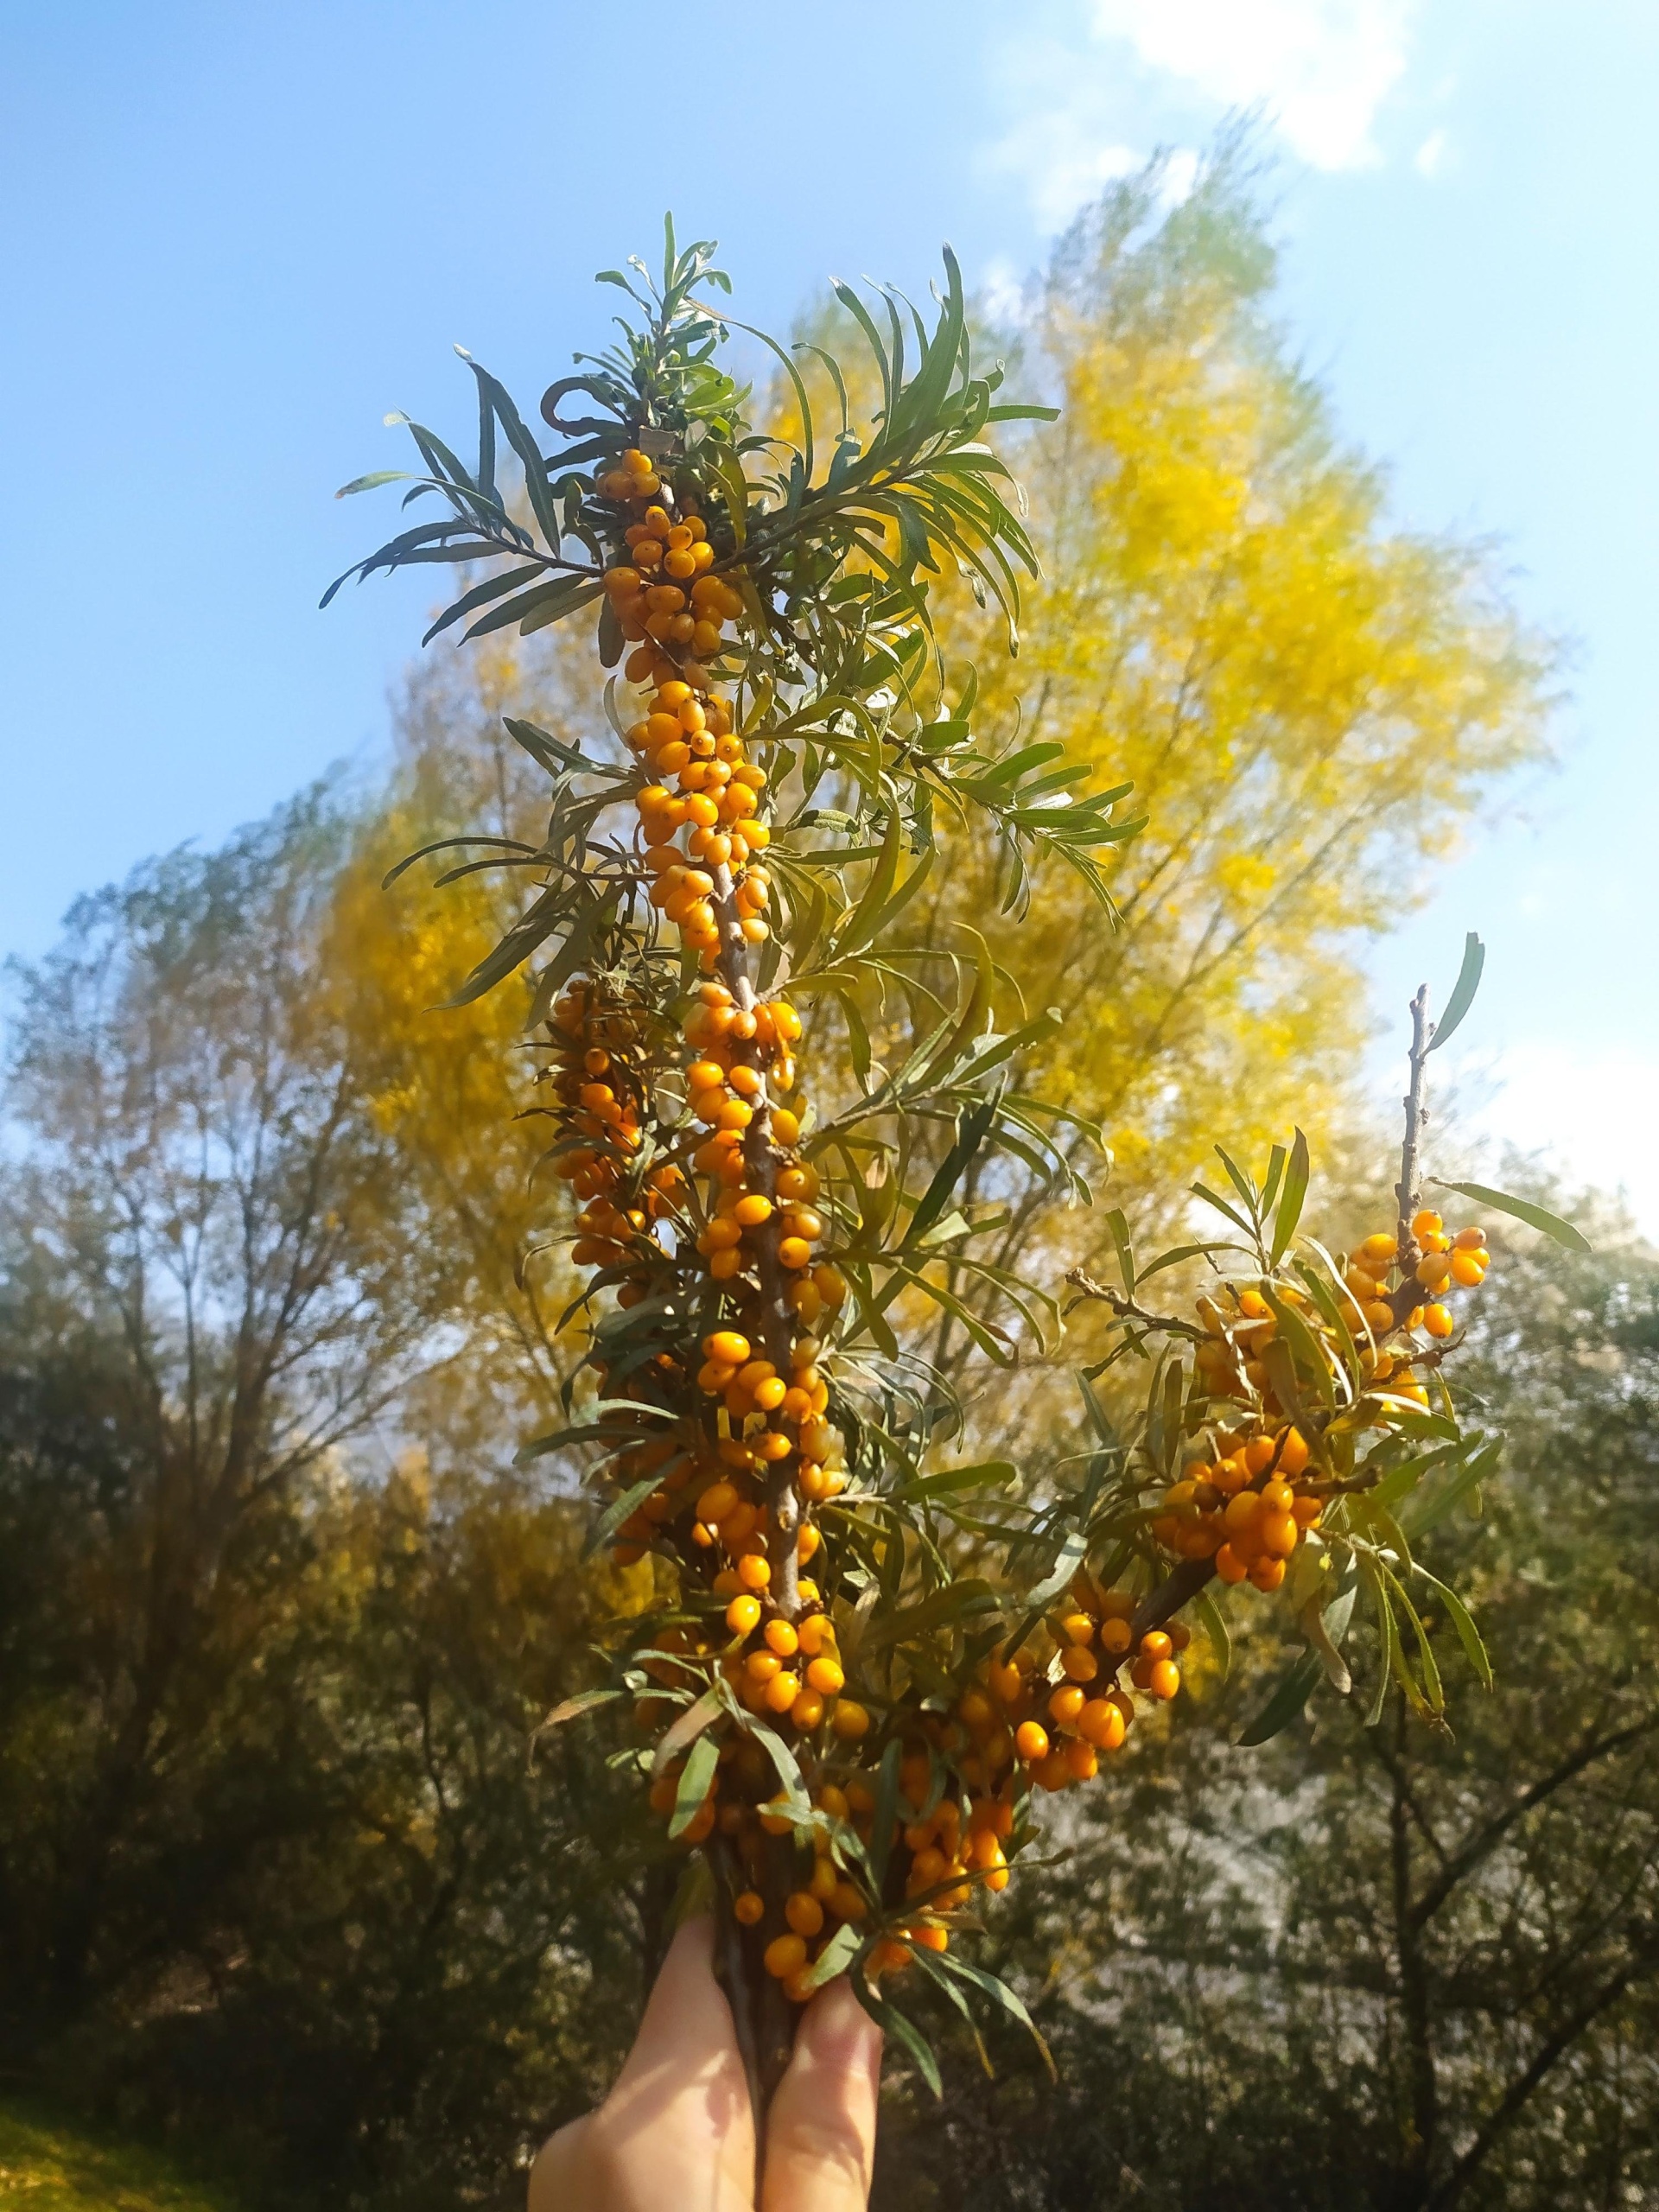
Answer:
(1311, 702)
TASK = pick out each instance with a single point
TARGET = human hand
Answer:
(678, 2125)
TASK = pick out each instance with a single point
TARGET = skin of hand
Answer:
(677, 2128)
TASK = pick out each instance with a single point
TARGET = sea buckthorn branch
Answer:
(852, 1689)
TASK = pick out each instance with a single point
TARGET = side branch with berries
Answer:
(866, 1665)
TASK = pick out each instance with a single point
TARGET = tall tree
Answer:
(209, 1212)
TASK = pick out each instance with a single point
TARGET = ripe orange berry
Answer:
(1165, 1679)
(753, 1571)
(1469, 1269)
(1427, 1223)
(1293, 1453)
(850, 1720)
(1155, 1645)
(825, 1675)
(727, 1346)
(743, 1615)
(803, 1913)
(807, 1712)
(782, 1690)
(1030, 1741)
(782, 1638)
(1066, 1703)
(1438, 1320)
(750, 1908)
(785, 1955)
(1101, 1723)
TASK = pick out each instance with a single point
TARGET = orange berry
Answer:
(850, 1720)
(1030, 1741)
(1438, 1320)
(743, 1615)
(753, 1571)
(785, 1955)
(1292, 1454)
(749, 1907)
(1165, 1679)
(1101, 1723)
(803, 1913)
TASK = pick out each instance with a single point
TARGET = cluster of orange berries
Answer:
(1445, 1261)
(1056, 1716)
(598, 1079)
(1243, 1510)
(962, 1778)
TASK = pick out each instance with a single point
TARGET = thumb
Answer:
(820, 2129)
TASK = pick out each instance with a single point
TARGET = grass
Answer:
(50, 2165)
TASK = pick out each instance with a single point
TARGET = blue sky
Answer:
(233, 238)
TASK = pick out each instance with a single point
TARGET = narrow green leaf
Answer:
(970, 1595)
(617, 1512)
(696, 1779)
(1463, 991)
(571, 1707)
(1290, 1199)
(690, 1724)
(994, 1986)
(836, 1957)
(1537, 1217)
(1117, 1221)
(1294, 1687)
(1214, 1627)
(1463, 1621)
(886, 1811)
(1069, 1557)
(893, 2023)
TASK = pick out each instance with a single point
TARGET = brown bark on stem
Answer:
(762, 2016)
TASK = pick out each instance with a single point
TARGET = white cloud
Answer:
(1430, 159)
(1092, 84)
(1321, 67)
(1063, 162)
(1004, 291)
